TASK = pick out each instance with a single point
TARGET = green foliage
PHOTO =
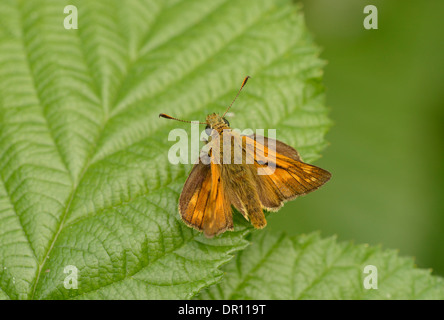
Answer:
(308, 267)
(84, 175)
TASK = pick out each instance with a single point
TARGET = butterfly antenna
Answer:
(243, 84)
(163, 115)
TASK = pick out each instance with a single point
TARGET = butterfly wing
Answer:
(203, 204)
(286, 176)
(218, 218)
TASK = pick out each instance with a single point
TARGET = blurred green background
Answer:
(385, 91)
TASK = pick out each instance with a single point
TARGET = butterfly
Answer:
(213, 187)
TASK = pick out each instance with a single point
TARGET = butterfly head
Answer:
(213, 121)
(216, 122)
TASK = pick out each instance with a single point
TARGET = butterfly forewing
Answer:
(218, 216)
(286, 175)
(203, 203)
(194, 195)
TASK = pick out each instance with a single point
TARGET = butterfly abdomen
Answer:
(241, 188)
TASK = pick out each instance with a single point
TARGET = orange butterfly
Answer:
(211, 189)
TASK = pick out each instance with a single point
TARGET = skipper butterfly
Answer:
(212, 188)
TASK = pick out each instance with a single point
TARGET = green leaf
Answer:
(277, 266)
(84, 174)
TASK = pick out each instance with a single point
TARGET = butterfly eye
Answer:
(226, 121)
(208, 130)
